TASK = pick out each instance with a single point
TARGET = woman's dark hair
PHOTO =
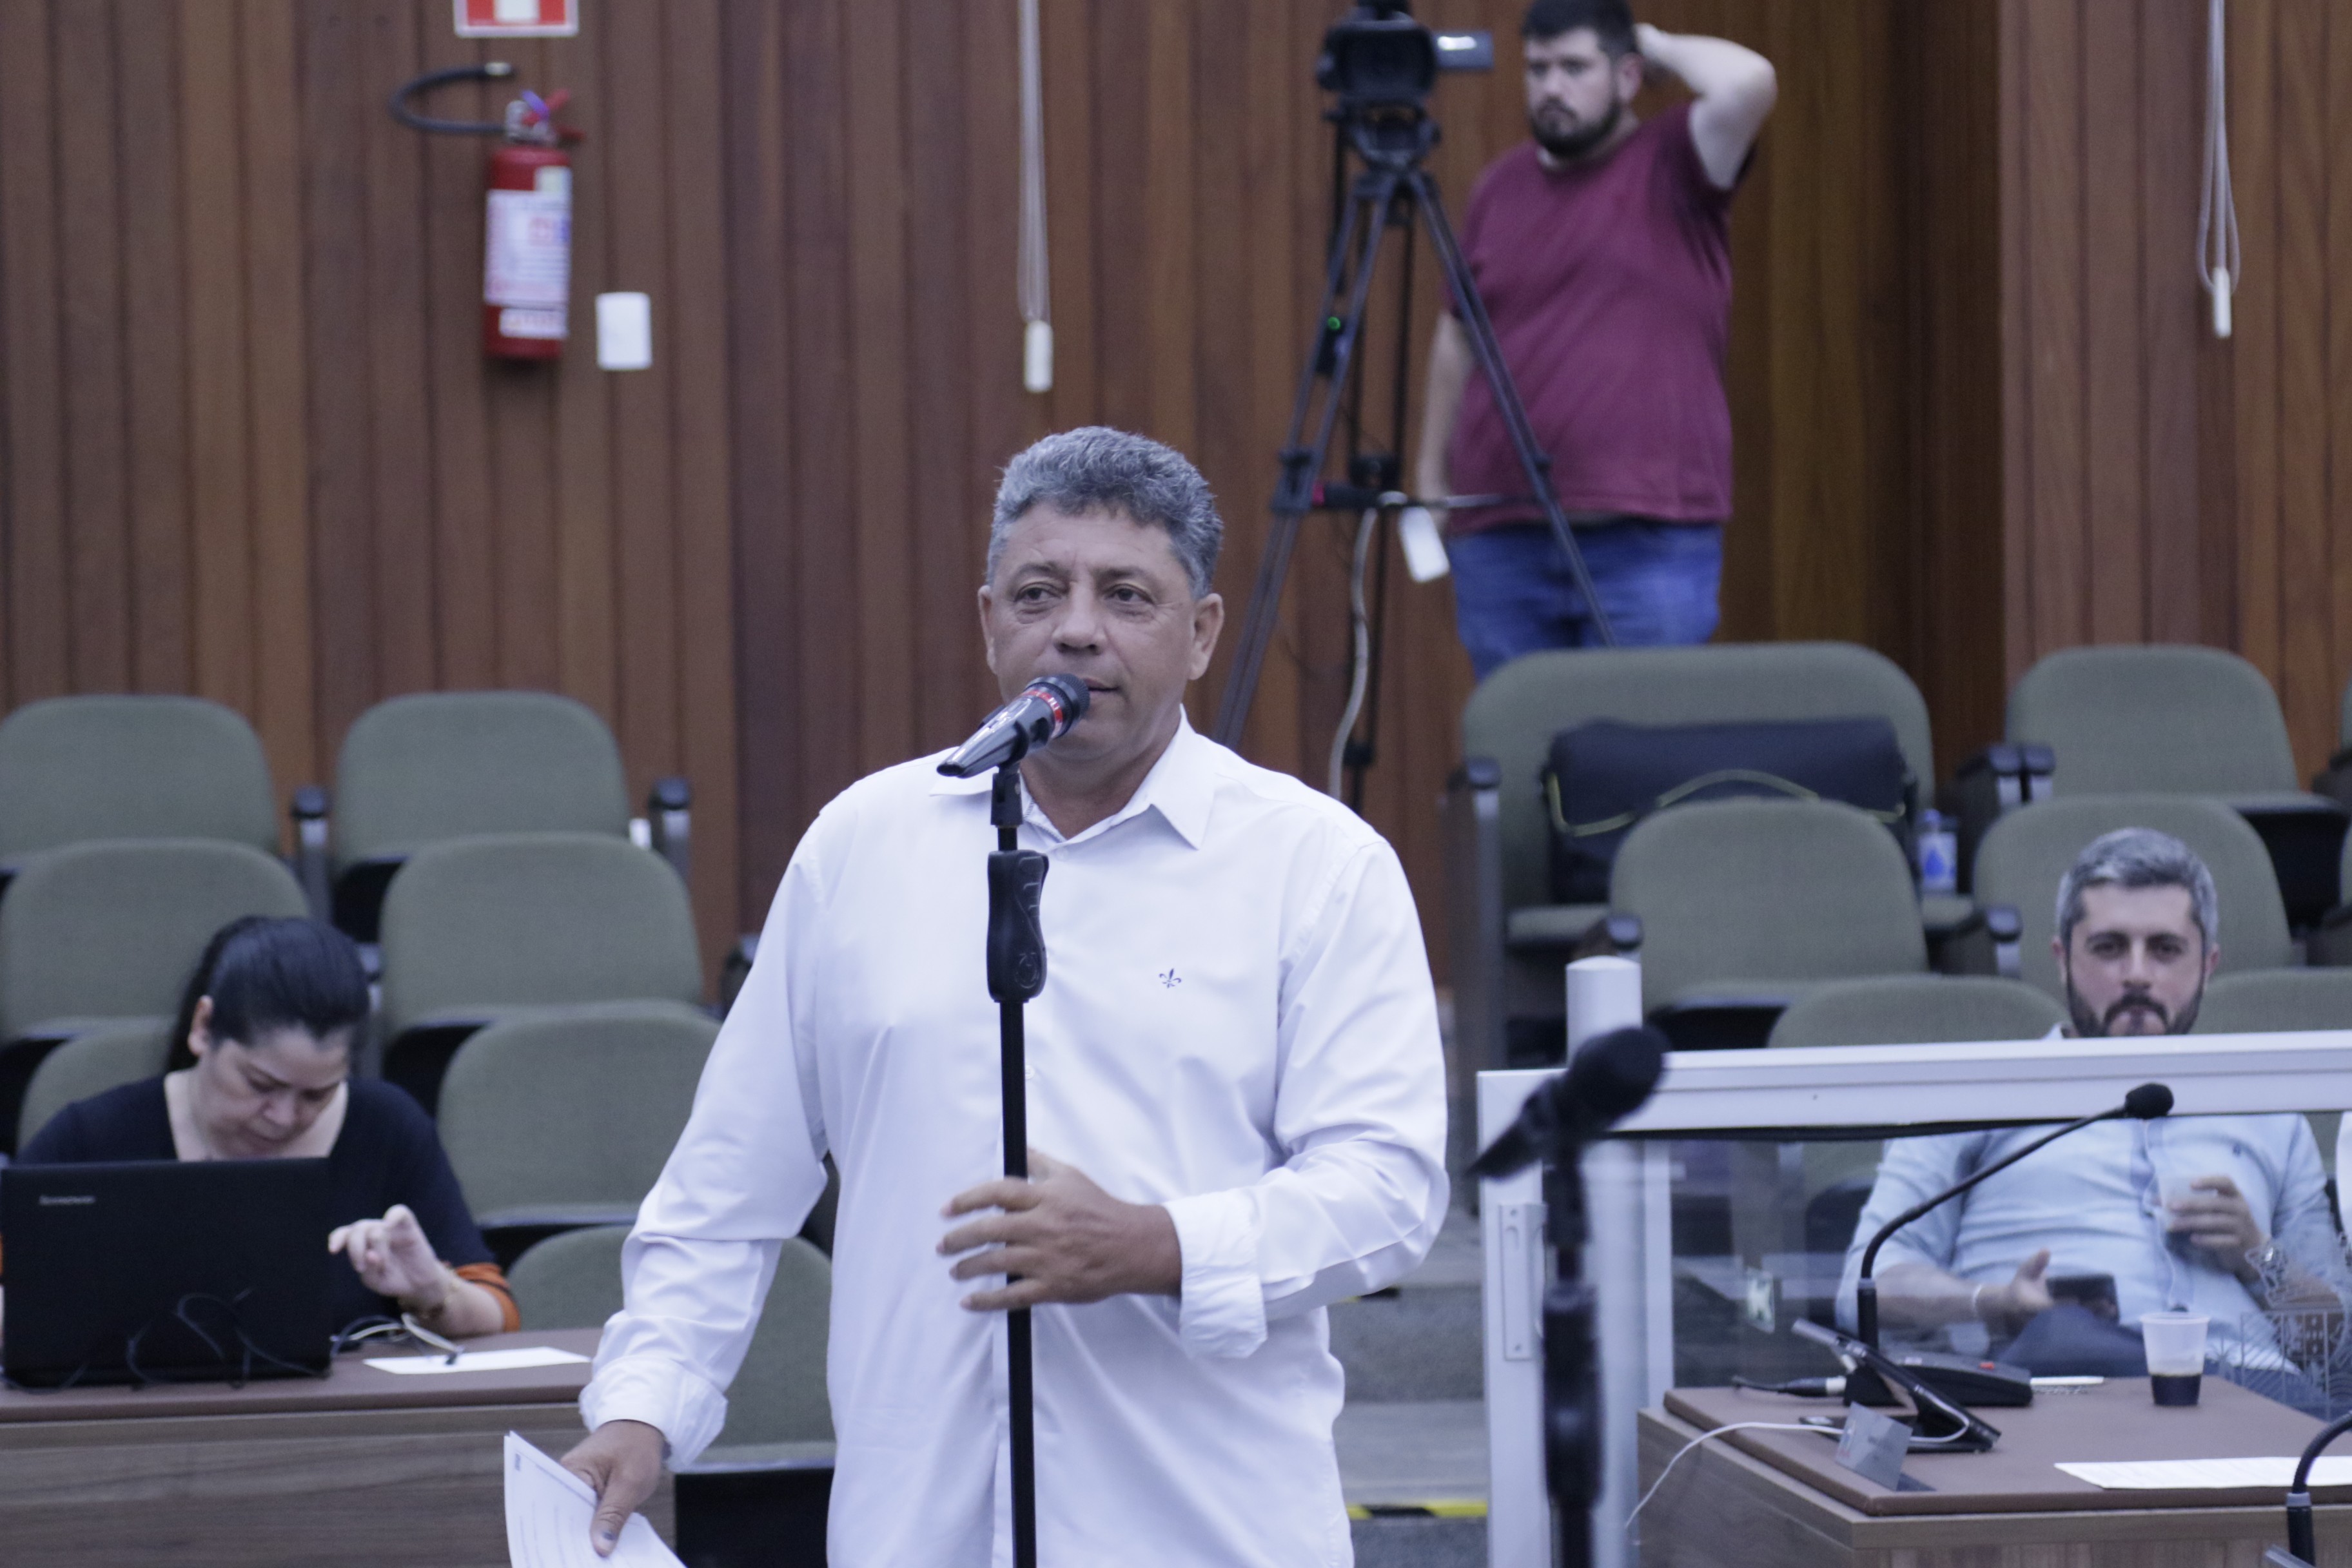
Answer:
(1611, 22)
(265, 973)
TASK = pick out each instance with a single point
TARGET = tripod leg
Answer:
(1295, 494)
(1488, 353)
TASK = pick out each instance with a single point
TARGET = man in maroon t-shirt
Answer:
(1602, 252)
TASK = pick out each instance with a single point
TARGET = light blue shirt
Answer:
(2095, 1199)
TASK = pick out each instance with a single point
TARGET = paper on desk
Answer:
(548, 1513)
(2208, 1475)
(477, 1361)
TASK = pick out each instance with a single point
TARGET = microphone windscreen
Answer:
(1070, 691)
(2148, 1101)
(1614, 1073)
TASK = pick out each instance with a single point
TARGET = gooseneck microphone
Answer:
(2300, 1542)
(1041, 715)
(1611, 1076)
(2146, 1103)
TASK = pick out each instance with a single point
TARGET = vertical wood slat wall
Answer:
(249, 447)
(2163, 484)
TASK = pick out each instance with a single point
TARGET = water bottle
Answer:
(1940, 854)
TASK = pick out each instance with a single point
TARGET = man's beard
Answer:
(1569, 145)
(2091, 1025)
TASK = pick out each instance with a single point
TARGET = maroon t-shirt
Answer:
(1610, 287)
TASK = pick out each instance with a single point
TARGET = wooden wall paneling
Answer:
(2052, 294)
(91, 296)
(701, 509)
(767, 640)
(398, 358)
(35, 593)
(2113, 369)
(519, 398)
(2172, 314)
(1073, 220)
(875, 298)
(220, 481)
(339, 304)
(823, 497)
(463, 515)
(1171, 109)
(154, 345)
(644, 453)
(1002, 418)
(285, 628)
(2308, 681)
(2016, 348)
(2253, 149)
(2325, 737)
(959, 292)
(1119, 197)
(587, 627)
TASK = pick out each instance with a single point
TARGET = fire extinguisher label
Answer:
(527, 260)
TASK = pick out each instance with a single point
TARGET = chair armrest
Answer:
(2335, 779)
(1471, 810)
(1987, 941)
(1999, 778)
(735, 968)
(669, 808)
(1617, 934)
(309, 810)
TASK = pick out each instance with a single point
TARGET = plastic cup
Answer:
(2176, 1354)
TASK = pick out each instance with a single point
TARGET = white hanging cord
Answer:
(1716, 1431)
(1036, 302)
(1360, 616)
(2218, 264)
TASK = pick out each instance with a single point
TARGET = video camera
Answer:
(1379, 57)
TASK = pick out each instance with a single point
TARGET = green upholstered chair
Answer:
(2026, 852)
(777, 1416)
(1747, 904)
(480, 929)
(106, 1058)
(2180, 720)
(1509, 939)
(80, 768)
(437, 766)
(564, 1119)
(1917, 1009)
(112, 929)
(2274, 1001)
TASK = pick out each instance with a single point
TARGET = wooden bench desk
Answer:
(361, 1469)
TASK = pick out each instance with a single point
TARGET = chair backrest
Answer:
(419, 769)
(113, 928)
(1767, 889)
(1515, 712)
(2026, 852)
(1917, 1010)
(573, 1281)
(78, 768)
(91, 1064)
(573, 1108)
(2272, 1001)
(2169, 719)
(533, 919)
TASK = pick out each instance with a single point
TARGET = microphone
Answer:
(1609, 1078)
(2303, 1550)
(1041, 715)
(2146, 1103)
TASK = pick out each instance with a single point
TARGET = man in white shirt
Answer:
(1234, 1082)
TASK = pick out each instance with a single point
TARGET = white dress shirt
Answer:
(1237, 1023)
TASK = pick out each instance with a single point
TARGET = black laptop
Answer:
(165, 1271)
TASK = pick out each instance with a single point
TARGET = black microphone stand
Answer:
(1016, 972)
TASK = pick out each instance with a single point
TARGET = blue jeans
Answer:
(1513, 593)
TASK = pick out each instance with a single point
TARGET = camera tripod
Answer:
(1392, 190)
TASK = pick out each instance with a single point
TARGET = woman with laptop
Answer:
(261, 1068)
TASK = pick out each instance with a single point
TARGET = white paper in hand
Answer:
(549, 1510)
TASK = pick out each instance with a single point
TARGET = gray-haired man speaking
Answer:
(1234, 1076)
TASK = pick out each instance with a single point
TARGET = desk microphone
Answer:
(2146, 1103)
(2303, 1547)
(1041, 715)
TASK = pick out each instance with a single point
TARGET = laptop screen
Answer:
(165, 1271)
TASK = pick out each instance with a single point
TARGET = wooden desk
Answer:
(1783, 1499)
(357, 1469)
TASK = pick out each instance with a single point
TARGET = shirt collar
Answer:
(1180, 787)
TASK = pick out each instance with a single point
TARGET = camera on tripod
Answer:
(1378, 57)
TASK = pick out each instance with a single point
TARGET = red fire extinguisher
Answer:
(527, 214)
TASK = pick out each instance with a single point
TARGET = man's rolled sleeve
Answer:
(1223, 1312)
(672, 1399)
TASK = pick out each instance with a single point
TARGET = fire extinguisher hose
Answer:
(491, 71)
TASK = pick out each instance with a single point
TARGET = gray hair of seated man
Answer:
(1097, 469)
(2138, 858)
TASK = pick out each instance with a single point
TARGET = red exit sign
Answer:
(517, 19)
